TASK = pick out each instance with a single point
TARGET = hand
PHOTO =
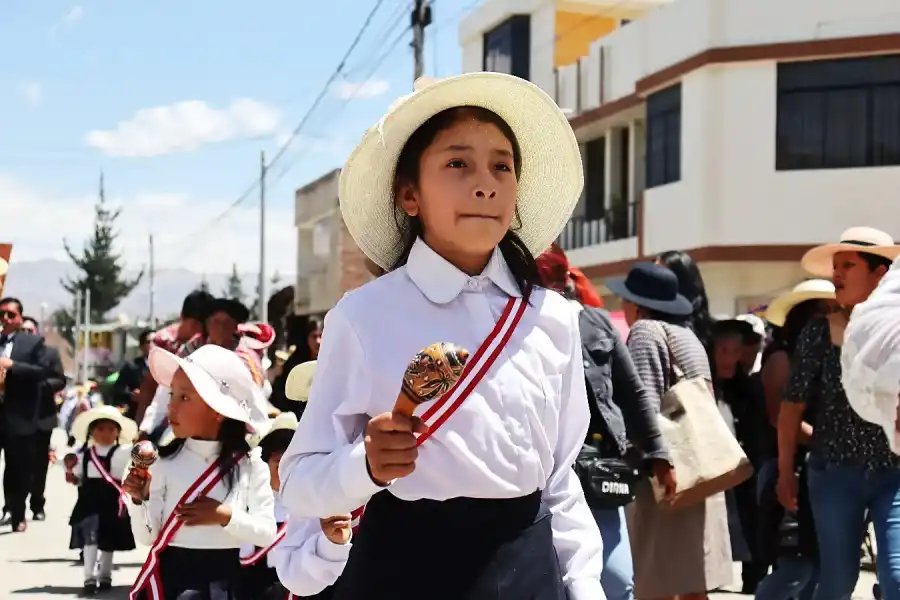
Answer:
(204, 511)
(51, 456)
(787, 489)
(6, 363)
(337, 529)
(391, 446)
(665, 476)
(137, 485)
(2, 376)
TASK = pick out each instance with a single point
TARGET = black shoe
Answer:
(80, 560)
(89, 589)
(38, 516)
(104, 585)
(6, 519)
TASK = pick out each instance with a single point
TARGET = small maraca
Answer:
(431, 373)
(70, 461)
(143, 455)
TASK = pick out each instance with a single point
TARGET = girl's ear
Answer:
(408, 200)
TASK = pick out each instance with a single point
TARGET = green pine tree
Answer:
(234, 287)
(101, 267)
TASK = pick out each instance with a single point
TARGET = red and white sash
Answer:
(259, 554)
(149, 576)
(476, 368)
(98, 464)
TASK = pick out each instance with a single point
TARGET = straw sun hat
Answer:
(549, 184)
(812, 289)
(299, 381)
(81, 426)
(818, 261)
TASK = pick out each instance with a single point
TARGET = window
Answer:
(595, 179)
(507, 47)
(663, 153)
(836, 114)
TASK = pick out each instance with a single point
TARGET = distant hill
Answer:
(38, 282)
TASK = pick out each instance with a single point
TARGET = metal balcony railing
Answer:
(619, 223)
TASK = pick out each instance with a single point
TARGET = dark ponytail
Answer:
(232, 436)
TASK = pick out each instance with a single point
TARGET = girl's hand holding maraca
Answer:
(137, 484)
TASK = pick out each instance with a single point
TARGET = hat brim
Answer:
(549, 184)
(819, 261)
(780, 307)
(299, 381)
(128, 429)
(679, 307)
(163, 366)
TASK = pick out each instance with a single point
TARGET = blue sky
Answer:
(174, 100)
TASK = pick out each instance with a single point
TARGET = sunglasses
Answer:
(8, 314)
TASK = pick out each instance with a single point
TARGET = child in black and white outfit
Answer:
(209, 493)
(100, 521)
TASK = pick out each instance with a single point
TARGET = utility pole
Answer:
(152, 316)
(421, 18)
(263, 313)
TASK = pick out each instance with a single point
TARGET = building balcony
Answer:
(619, 223)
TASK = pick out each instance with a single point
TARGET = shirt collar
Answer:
(441, 282)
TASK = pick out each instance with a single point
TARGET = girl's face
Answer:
(727, 354)
(632, 312)
(314, 340)
(466, 193)
(105, 432)
(852, 278)
(189, 415)
(274, 461)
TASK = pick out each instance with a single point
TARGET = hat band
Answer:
(858, 243)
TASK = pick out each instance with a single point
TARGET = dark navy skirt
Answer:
(459, 549)
(189, 574)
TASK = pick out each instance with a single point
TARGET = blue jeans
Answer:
(618, 569)
(795, 578)
(840, 496)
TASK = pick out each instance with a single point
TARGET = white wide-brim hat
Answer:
(4, 267)
(284, 422)
(549, 184)
(81, 426)
(818, 261)
(299, 381)
(220, 377)
(811, 289)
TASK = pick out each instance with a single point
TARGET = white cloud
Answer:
(184, 127)
(32, 92)
(348, 90)
(75, 14)
(36, 222)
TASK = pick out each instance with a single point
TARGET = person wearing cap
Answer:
(660, 317)
(174, 338)
(223, 322)
(209, 493)
(100, 522)
(852, 470)
(453, 193)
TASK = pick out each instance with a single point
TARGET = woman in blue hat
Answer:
(659, 318)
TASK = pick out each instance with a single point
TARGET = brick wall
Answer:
(354, 270)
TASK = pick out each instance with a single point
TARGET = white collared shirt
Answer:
(118, 463)
(251, 500)
(306, 561)
(519, 431)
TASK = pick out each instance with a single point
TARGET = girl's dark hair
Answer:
(519, 259)
(691, 286)
(302, 352)
(785, 337)
(93, 424)
(873, 261)
(277, 441)
(232, 436)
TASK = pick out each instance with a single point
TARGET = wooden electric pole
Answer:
(421, 18)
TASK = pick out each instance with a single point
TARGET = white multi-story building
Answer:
(743, 132)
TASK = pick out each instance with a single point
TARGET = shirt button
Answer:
(473, 284)
(587, 363)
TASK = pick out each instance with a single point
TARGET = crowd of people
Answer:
(551, 457)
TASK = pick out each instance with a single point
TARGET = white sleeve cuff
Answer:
(586, 589)
(354, 474)
(328, 550)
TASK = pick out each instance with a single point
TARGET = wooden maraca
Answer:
(431, 373)
(143, 455)
(69, 461)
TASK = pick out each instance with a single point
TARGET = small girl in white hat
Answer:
(453, 193)
(100, 523)
(209, 493)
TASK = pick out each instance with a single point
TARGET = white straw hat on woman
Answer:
(818, 261)
(299, 381)
(549, 184)
(812, 289)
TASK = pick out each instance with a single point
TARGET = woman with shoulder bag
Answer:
(623, 440)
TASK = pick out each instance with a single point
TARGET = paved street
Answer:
(38, 565)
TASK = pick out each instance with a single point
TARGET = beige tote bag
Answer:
(706, 456)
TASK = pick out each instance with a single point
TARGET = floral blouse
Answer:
(840, 436)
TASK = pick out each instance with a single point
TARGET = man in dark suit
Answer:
(47, 420)
(22, 371)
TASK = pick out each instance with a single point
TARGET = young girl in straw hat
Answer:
(454, 193)
(208, 494)
(100, 523)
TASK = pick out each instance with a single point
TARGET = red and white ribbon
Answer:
(252, 559)
(98, 464)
